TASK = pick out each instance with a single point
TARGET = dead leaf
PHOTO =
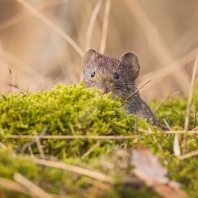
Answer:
(149, 169)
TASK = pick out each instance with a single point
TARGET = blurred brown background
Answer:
(42, 41)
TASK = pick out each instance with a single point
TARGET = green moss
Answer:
(64, 110)
(174, 110)
(75, 110)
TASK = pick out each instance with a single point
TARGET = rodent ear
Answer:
(89, 57)
(130, 60)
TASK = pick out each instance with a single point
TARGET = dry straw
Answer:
(105, 26)
(157, 45)
(189, 105)
(52, 25)
(75, 169)
(22, 16)
(91, 24)
(31, 187)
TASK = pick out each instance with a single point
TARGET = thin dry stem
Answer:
(165, 100)
(188, 106)
(40, 148)
(71, 137)
(2, 146)
(75, 169)
(188, 155)
(159, 74)
(21, 65)
(97, 184)
(105, 26)
(52, 25)
(12, 186)
(29, 144)
(20, 17)
(155, 139)
(91, 149)
(91, 24)
(167, 125)
(94, 137)
(34, 189)
(135, 91)
(169, 132)
(158, 46)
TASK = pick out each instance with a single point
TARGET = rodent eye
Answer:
(93, 74)
(116, 75)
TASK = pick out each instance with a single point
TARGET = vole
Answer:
(116, 75)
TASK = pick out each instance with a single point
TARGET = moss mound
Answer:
(64, 110)
(75, 110)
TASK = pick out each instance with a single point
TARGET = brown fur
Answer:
(127, 68)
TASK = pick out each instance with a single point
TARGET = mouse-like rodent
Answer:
(117, 76)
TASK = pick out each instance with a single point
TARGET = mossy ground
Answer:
(75, 110)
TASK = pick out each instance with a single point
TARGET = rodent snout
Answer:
(103, 87)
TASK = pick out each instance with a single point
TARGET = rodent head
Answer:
(111, 74)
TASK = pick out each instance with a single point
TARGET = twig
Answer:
(2, 146)
(135, 91)
(72, 137)
(167, 125)
(91, 149)
(34, 189)
(93, 137)
(188, 155)
(22, 148)
(169, 132)
(91, 24)
(105, 26)
(40, 149)
(12, 186)
(75, 169)
(173, 94)
(195, 118)
(188, 106)
(97, 184)
(52, 25)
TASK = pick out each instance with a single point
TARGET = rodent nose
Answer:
(104, 89)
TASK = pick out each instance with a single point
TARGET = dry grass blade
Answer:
(27, 145)
(52, 25)
(105, 26)
(91, 149)
(165, 100)
(21, 65)
(176, 147)
(169, 132)
(20, 17)
(2, 146)
(135, 91)
(188, 155)
(159, 74)
(188, 106)
(167, 125)
(75, 169)
(158, 46)
(40, 148)
(91, 24)
(12, 186)
(34, 189)
(72, 137)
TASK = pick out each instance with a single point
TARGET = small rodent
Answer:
(116, 76)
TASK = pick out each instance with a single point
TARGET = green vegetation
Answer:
(74, 110)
